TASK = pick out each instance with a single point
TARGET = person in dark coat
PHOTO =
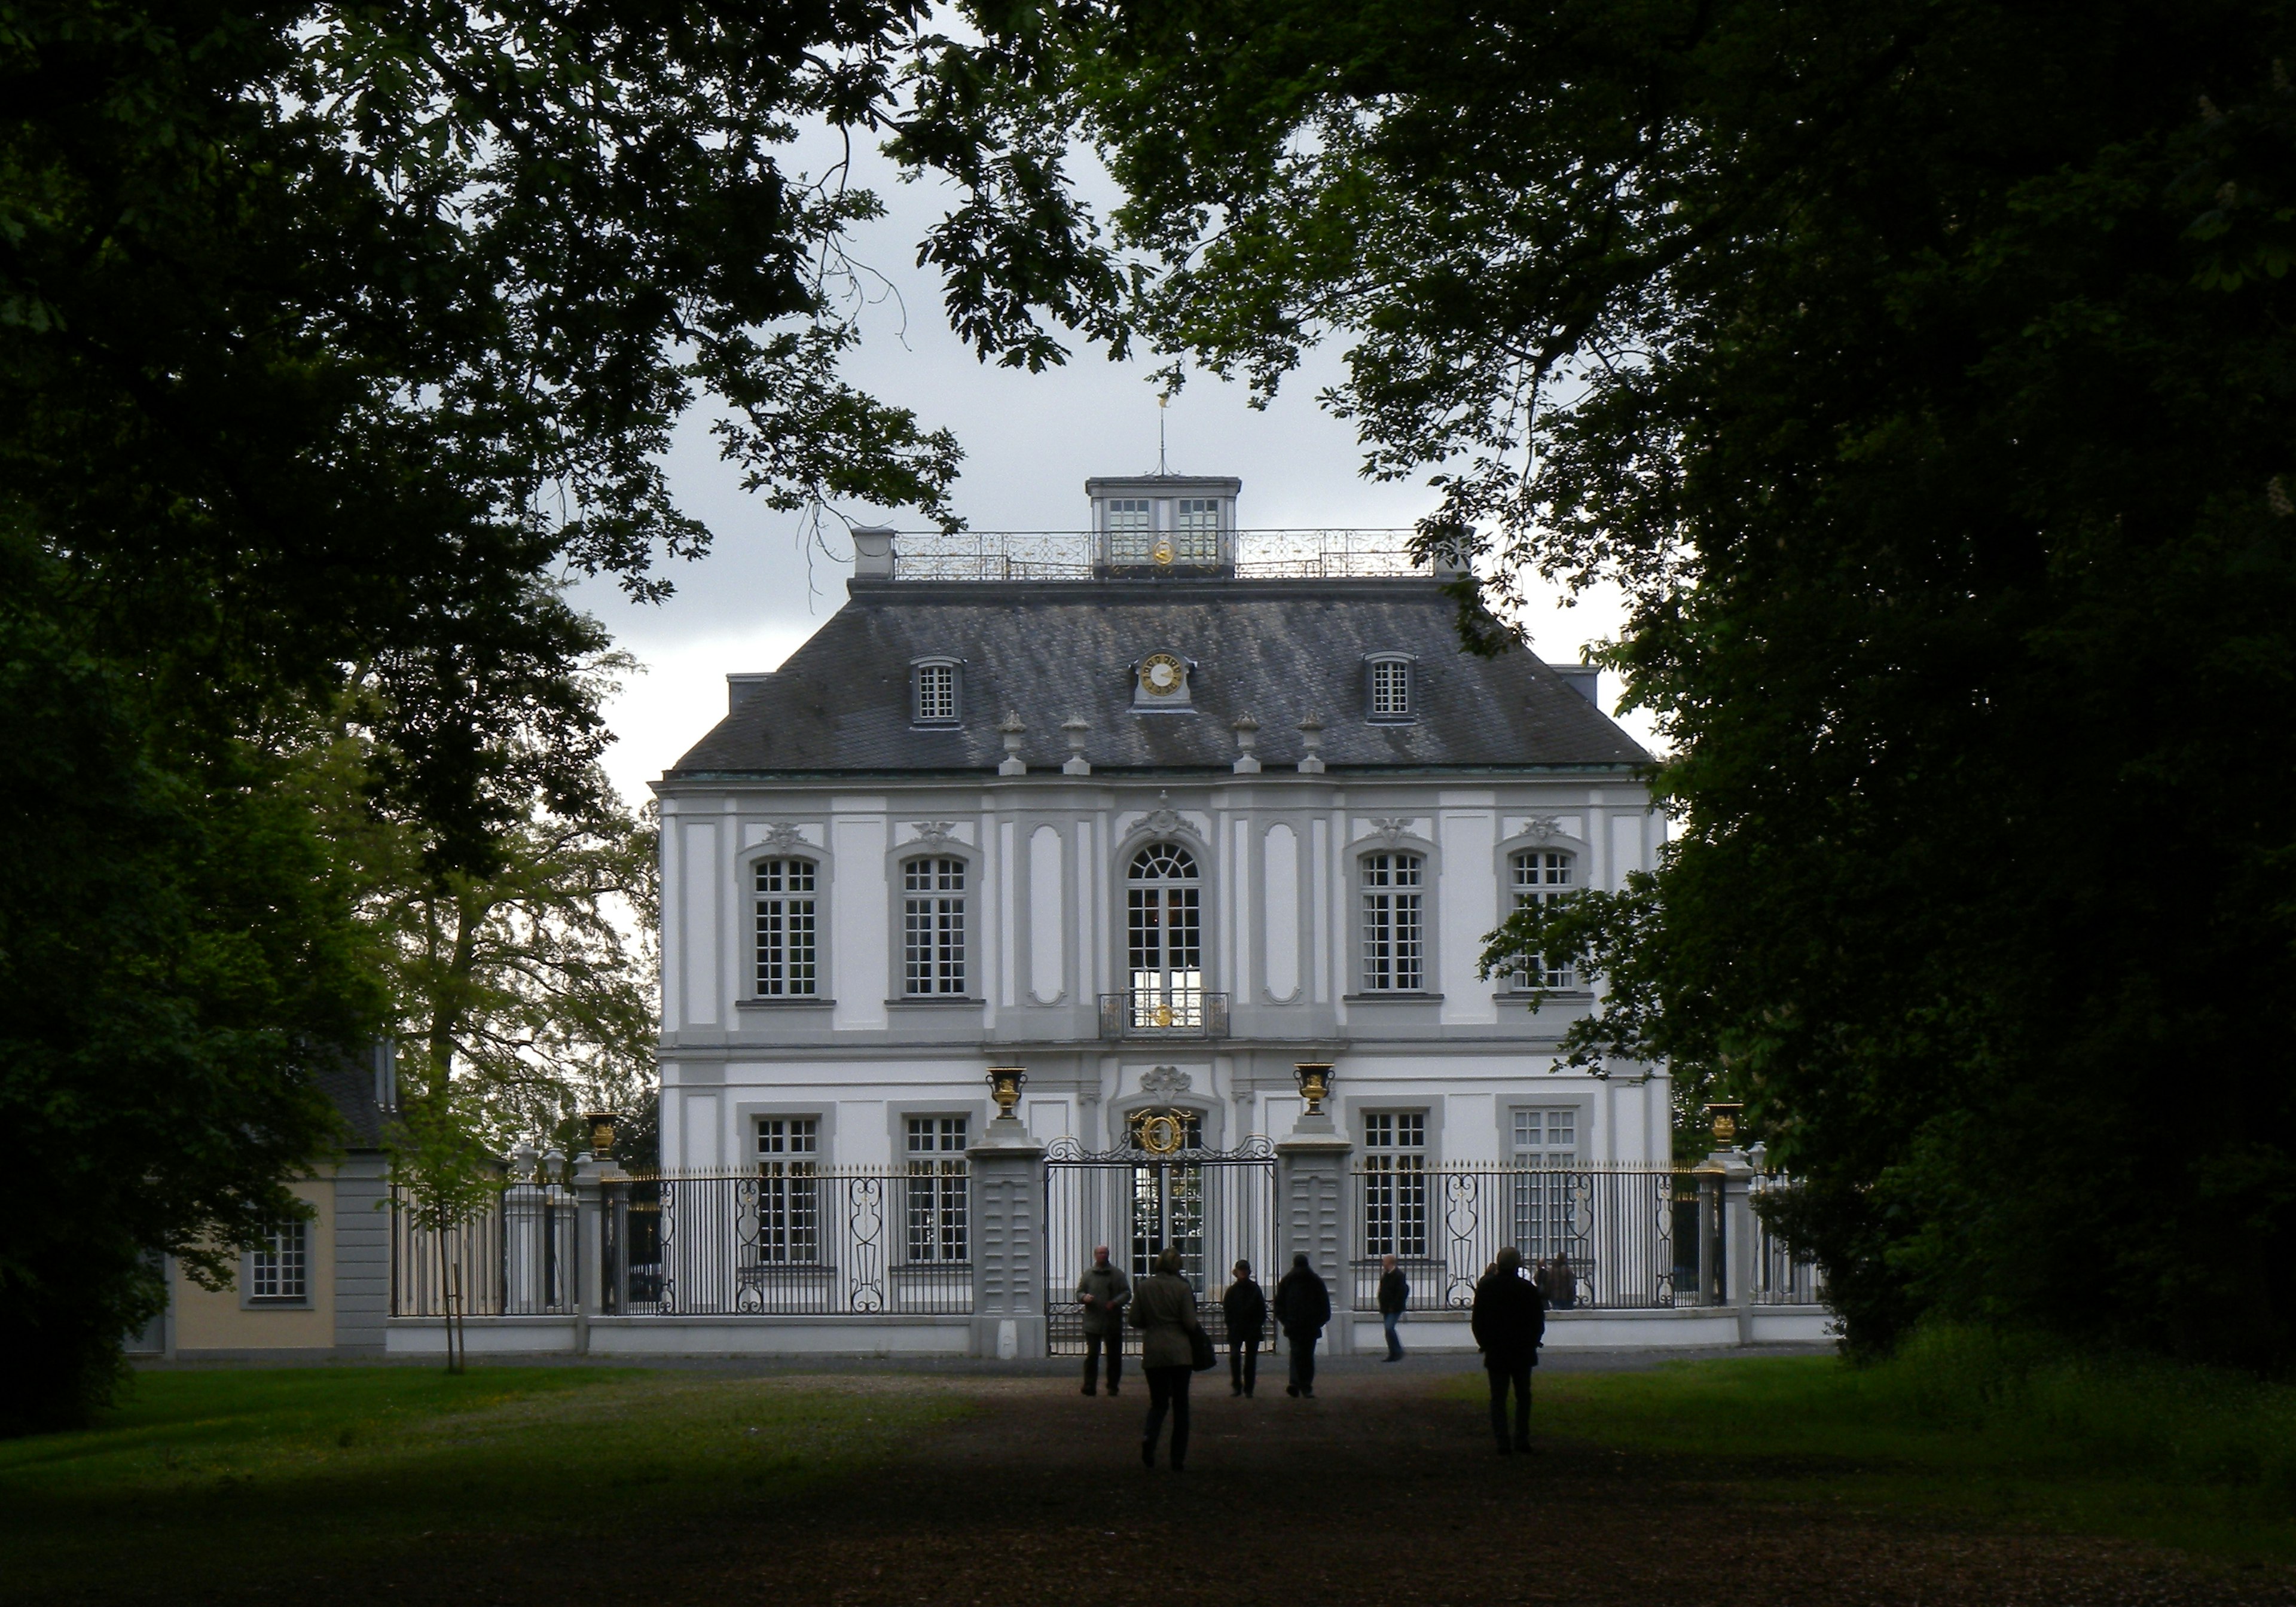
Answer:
(1394, 1295)
(1102, 1292)
(1562, 1283)
(1509, 1322)
(1164, 1310)
(1246, 1309)
(1302, 1306)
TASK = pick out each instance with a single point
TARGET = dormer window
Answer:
(935, 692)
(1389, 690)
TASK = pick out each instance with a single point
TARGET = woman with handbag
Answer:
(1173, 1345)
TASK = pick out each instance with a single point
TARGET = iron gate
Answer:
(1216, 1207)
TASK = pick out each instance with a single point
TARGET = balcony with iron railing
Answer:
(1184, 1013)
(1286, 555)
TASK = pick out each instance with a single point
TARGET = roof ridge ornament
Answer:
(1311, 740)
(1075, 728)
(1012, 730)
(1246, 738)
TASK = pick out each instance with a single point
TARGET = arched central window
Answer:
(1165, 930)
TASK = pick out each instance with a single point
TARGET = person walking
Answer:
(1164, 1310)
(1102, 1292)
(1245, 1306)
(1509, 1321)
(1302, 1306)
(1562, 1283)
(1394, 1295)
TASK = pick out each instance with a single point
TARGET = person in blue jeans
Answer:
(1394, 1295)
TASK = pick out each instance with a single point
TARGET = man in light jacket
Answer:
(1302, 1306)
(1102, 1292)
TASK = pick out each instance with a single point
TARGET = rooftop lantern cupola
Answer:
(1163, 524)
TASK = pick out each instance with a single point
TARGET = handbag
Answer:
(1202, 1356)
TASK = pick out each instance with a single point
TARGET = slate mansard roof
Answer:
(1278, 649)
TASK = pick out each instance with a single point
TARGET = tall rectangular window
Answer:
(1542, 876)
(1393, 947)
(789, 1189)
(935, 695)
(1546, 1197)
(1131, 530)
(937, 1185)
(933, 926)
(1195, 530)
(1395, 1183)
(1391, 689)
(279, 1267)
(786, 928)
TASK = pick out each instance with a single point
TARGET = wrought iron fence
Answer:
(1215, 1207)
(1614, 1229)
(1163, 1012)
(515, 1257)
(1782, 1275)
(1071, 555)
(801, 1242)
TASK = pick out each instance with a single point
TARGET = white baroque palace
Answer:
(1156, 812)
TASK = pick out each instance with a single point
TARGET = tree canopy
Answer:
(332, 339)
(1923, 373)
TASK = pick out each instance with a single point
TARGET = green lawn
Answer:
(2184, 1456)
(306, 1471)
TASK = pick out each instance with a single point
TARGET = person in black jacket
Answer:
(1246, 1308)
(1302, 1306)
(1509, 1322)
(1394, 1295)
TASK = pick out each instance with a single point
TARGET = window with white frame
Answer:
(279, 1267)
(787, 926)
(1542, 877)
(937, 1185)
(1395, 1183)
(936, 693)
(932, 927)
(789, 1189)
(1164, 936)
(1548, 1193)
(1393, 941)
(1195, 529)
(1131, 524)
(1391, 689)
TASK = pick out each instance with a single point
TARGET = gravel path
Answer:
(1379, 1491)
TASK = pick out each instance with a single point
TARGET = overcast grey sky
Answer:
(1029, 440)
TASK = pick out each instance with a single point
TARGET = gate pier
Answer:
(1311, 1171)
(1007, 1168)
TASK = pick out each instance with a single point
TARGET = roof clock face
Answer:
(1162, 675)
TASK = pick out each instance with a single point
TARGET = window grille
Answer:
(1395, 1183)
(789, 1189)
(279, 1267)
(1195, 530)
(786, 928)
(1393, 949)
(1545, 1209)
(1542, 877)
(938, 1186)
(1131, 530)
(1391, 689)
(1164, 921)
(932, 917)
(936, 693)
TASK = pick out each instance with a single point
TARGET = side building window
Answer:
(279, 1267)
(1395, 1183)
(932, 927)
(1393, 944)
(789, 1189)
(1542, 877)
(787, 930)
(936, 692)
(937, 1185)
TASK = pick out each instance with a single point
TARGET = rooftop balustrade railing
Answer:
(1310, 554)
